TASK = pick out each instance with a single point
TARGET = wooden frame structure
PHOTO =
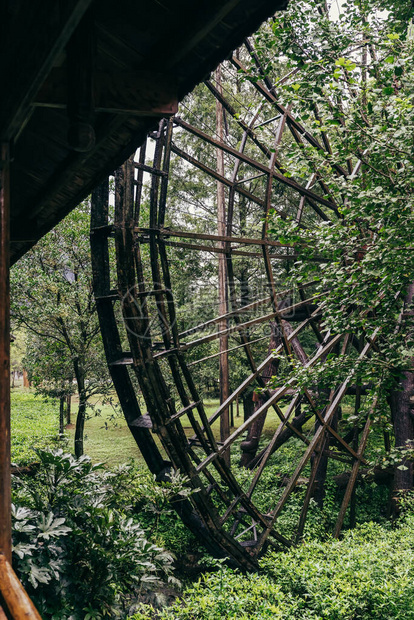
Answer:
(83, 81)
(223, 510)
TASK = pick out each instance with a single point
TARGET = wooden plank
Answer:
(78, 79)
(303, 191)
(5, 480)
(109, 329)
(141, 92)
(14, 599)
(167, 232)
(293, 123)
(354, 473)
(202, 29)
(47, 27)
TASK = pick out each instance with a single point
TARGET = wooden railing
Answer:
(14, 600)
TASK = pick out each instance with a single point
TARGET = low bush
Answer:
(78, 546)
(368, 575)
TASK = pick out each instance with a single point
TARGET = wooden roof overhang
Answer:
(83, 81)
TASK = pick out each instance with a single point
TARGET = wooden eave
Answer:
(148, 56)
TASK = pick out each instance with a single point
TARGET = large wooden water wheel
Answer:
(156, 365)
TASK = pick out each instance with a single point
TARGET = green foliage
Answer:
(78, 547)
(350, 81)
(52, 299)
(372, 499)
(368, 575)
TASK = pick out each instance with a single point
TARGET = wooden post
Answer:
(5, 481)
(222, 275)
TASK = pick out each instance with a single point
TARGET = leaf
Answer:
(39, 574)
(52, 528)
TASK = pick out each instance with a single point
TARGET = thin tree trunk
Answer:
(68, 408)
(26, 382)
(80, 418)
(61, 416)
(248, 404)
(80, 425)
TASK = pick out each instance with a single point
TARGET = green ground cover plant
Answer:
(90, 542)
(368, 575)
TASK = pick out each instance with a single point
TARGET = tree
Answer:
(350, 82)
(52, 297)
(50, 371)
(17, 352)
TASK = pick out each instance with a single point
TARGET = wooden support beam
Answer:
(257, 165)
(38, 33)
(15, 602)
(78, 80)
(167, 232)
(5, 480)
(142, 92)
(293, 123)
(222, 277)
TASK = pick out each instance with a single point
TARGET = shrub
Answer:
(369, 575)
(77, 551)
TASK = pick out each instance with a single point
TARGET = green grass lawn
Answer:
(34, 424)
(107, 438)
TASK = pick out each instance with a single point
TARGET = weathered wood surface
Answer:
(5, 482)
(225, 513)
(142, 58)
(140, 93)
(14, 600)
